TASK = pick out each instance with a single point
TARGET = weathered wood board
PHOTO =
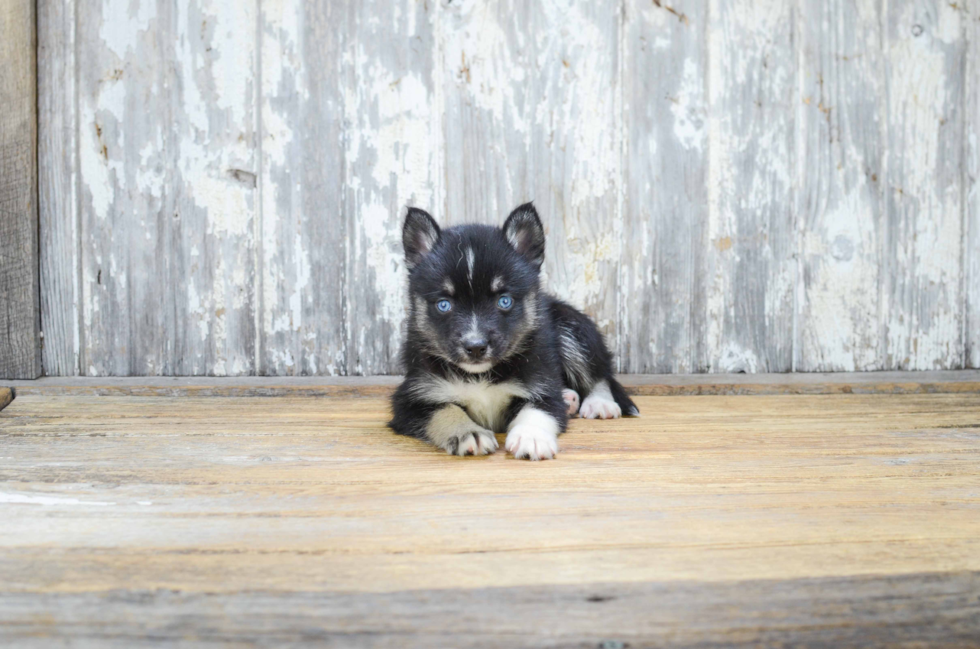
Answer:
(922, 252)
(391, 152)
(60, 244)
(837, 520)
(750, 258)
(841, 219)
(918, 610)
(727, 186)
(663, 288)
(301, 261)
(20, 342)
(971, 223)
(662, 385)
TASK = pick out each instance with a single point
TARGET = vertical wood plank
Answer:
(486, 69)
(57, 186)
(575, 151)
(750, 260)
(302, 231)
(20, 348)
(213, 123)
(391, 160)
(922, 245)
(971, 269)
(533, 111)
(166, 141)
(664, 243)
(841, 180)
(126, 170)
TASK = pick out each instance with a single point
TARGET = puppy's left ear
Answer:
(419, 236)
(525, 233)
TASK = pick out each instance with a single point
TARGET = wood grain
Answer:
(166, 171)
(532, 97)
(573, 87)
(933, 609)
(58, 208)
(301, 266)
(20, 341)
(726, 186)
(841, 221)
(392, 160)
(663, 284)
(751, 265)
(124, 121)
(938, 382)
(922, 256)
(971, 178)
(724, 520)
(213, 158)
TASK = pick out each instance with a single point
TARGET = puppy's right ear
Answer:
(419, 236)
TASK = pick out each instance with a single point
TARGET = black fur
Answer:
(540, 343)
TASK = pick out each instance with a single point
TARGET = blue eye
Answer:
(444, 306)
(505, 302)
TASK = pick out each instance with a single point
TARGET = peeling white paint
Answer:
(923, 196)
(750, 181)
(689, 123)
(123, 24)
(23, 499)
(468, 108)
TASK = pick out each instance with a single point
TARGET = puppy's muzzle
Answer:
(475, 348)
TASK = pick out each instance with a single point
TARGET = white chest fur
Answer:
(484, 401)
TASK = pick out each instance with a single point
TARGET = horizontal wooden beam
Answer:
(864, 610)
(20, 349)
(952, 381)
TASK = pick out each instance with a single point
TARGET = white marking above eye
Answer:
(497, 284)
(449, 288)
(470, 260)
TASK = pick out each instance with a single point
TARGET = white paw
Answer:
(531, 443)
(476, 442)
(571, 400)
(598, 407)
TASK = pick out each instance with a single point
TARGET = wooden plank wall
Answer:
(20, 348)
(737, 185)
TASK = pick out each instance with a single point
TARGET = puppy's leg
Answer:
(533, 434)
(450, 428)
(587, 366)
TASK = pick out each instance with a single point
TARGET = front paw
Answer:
(599, 407)
(474, 442)
(531, 443)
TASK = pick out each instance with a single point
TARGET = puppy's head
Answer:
(474, 288)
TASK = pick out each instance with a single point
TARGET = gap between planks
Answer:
(934, 382)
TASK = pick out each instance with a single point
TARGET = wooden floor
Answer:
(818, 520)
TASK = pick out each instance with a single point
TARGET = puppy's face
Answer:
(474, 288)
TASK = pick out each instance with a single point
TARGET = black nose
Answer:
(475, 348)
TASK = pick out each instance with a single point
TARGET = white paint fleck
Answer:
(22, 499)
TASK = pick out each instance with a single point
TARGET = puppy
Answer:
(487, 351)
